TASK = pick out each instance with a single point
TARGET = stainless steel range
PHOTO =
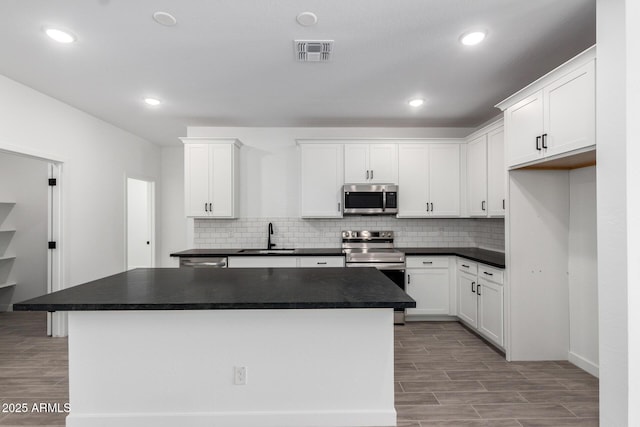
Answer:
(375, 249)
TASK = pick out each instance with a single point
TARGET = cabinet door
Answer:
(356, 163)
(413, 180)
(477, 176)
(221, 180)
(496, 173)
(467, 298)
(430, 288)
(523, 124)
(570, 111)
(197, 179)
(444, 180)
(321, 180)
(383, 163)
(490, 311)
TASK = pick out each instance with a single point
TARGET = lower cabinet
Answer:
(269, 261)
(428, 281)
(481, 299)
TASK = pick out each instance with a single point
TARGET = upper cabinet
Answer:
(321, 180)
(374, 163)
(486, 172)
(554, 115)
(428, 180)
(211, 177)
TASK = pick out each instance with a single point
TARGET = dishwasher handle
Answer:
(190, 262)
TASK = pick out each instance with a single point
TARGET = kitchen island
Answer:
(231, 347)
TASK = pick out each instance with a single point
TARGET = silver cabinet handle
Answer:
(338, 206)
(367, 174)
(321, 263)
(211, 264)
(483, 203)
(472, 287)
(431, 206)
(210, 207)
(205, 208)
(408, 279)
(427, 262)
(464, 265)
(427, 206)
(478, 289)
(371, 173)
(544, 141)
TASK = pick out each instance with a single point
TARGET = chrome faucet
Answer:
(269, 233)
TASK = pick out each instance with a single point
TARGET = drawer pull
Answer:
(322, 263)
(427, 262)
(487, 273)
(464, 265)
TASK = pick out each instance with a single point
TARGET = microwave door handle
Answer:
(384, 200)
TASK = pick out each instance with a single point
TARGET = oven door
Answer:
(395, 272)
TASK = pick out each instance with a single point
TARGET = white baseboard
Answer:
(237, 419)
(584, 364)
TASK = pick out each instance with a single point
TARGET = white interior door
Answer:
(139, 223)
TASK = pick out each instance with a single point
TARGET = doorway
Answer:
(140, 223)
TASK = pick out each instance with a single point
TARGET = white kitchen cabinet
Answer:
(467, 297)
(477, 176)
(481, 299)
(371, 163)
(486, 172)
(320, 261)
(429, 180)
(490, 310)
(496, 173)
(211, 176)
(428, 281)
(321, 180)
(558, 118)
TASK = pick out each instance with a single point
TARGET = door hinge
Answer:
(53, 182)
(52, 245)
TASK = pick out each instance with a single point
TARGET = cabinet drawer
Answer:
(266, 261)
(313, 261)
(467, 266)
(491, 274)
(427, 262)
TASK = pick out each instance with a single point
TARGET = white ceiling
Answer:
(231, 62)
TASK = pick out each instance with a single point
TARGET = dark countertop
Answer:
(492, 258)
(228, 289)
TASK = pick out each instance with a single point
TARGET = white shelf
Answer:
(7, 285)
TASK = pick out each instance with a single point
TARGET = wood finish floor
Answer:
(445, 376)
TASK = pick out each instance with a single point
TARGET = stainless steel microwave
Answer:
(370, 199)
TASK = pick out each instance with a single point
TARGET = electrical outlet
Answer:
(240, 375)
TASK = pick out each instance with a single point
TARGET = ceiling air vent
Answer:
(313, 50)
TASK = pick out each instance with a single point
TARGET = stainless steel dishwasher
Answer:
(203, 262)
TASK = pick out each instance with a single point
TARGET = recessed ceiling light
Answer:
(307, 19)
(60, 36)
(417, 102)
(152, 102)
(165, 18)
(472, 38)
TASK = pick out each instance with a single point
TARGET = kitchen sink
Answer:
(267, 251)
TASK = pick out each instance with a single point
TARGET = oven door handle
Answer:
(379, 266)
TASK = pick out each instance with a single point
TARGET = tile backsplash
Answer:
(487, 233)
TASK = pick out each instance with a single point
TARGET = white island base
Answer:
(316, 367)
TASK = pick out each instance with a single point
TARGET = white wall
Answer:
(618, 133)
(173, 222)
(24, 181)
(583, 270)
(97, 158)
